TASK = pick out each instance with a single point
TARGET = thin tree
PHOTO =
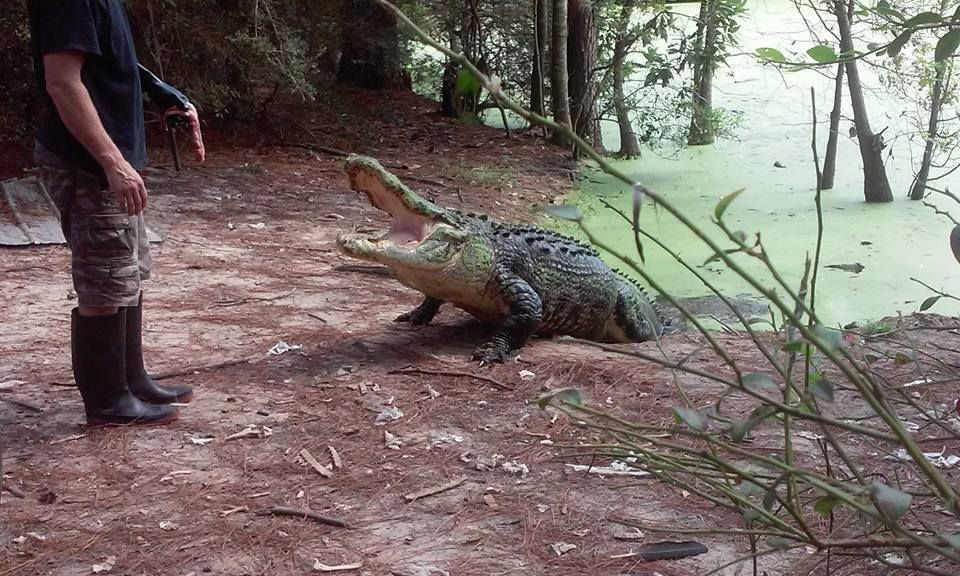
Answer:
(540, 31)
(830, 158)
(936, 104)
(581, 59)
(876, 187)
(704, 65)
(624, 40)
(559, 87)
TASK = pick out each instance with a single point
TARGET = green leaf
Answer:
(716, 256)
(761, 413)
(947, 45)
(748, 488)
(892, 502)
(758, 382)
(749, 515)
(466, 82)
(639, 191)
(739, 429)
(564, 212)
(892, 13)
(898, 43)
(796, 346)
(778, 543)
(929, 302)
(690, 417)
(822, 53)
(771, 54)
(825, 505)
(822, 389)
(770, 498)
(560, 395)
(831, 338)
(953, 540)
(923, 18)
(899, 359)
(724, 203)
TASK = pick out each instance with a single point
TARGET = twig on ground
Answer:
(318, 148)
(226, 513)
(335, 456)
(191, 370)
(67, 439)
(304, 514)
(434, 489)
(320, 468)
(12, 488)
(22, 404)
(317, 317)
(249, 299)
(454, 374)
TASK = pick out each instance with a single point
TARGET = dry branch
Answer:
(434, 489)
(303, 514)
(453, 374)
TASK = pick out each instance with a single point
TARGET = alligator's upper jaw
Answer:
(406, 224)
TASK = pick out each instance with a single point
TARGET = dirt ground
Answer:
(248, 261)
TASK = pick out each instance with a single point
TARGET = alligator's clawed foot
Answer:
(491, 353)
(414, 317)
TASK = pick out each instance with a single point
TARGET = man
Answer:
(89, 146)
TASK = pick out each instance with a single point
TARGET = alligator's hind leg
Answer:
(526, 311)
(422, 314)
(635, 316)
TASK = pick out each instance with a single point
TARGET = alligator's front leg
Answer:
(526, 311)
(422, 314)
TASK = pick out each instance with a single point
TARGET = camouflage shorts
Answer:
(110, 251)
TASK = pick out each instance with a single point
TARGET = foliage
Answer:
(19, 101)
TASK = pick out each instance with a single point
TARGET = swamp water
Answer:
(892, 242)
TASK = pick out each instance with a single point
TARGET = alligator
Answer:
(523, 279)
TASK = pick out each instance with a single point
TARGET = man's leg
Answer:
(140, 383)
(106, 279)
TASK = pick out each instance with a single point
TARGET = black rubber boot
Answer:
(97, 344)
(140, 383)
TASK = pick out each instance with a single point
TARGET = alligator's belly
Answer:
(481, 302)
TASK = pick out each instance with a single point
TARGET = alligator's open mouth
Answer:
(408, 227)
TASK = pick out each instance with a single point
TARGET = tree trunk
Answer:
(629, 145)
(936, 103)
(876, 187)
(559, 87)
(448, 82)
(830, 158)
(370, 46)
(701, 123)
(540, 26)
(581, 58)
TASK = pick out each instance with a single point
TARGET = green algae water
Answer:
(892, 242)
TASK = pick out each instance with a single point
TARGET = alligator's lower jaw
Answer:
(383, 250)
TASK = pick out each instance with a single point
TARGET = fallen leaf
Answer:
(561, 548)
(106, 566)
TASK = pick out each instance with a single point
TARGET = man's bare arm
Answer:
(73, 102)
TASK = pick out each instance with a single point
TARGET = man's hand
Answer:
(126, 183)
(196, 137)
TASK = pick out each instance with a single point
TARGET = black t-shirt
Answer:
(100, 29)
